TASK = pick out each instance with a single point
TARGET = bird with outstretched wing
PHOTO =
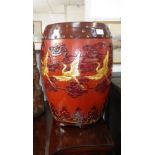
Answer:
(100, 72)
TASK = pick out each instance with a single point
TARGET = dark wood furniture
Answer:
(38, 96)
(102, 138)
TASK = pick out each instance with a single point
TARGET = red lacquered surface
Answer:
(76, 61)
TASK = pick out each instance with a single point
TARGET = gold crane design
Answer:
(44, 68)
(73, 73)
(102, 72)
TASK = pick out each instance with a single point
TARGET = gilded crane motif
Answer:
(44, 68)
(102, 72)
(73, 73)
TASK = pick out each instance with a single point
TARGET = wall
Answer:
(100, 10)
(73, 13)
(116, 68)
(48, 18)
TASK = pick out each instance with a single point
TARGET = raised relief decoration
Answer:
(71, 72)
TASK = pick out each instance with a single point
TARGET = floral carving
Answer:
(83, 81)
(50, 84)
(87, 67)
(93, 114)
(77, 116)
(58, 49)
(53, 67)
(75, 90)
(95, 51)
(102, 85)
(64, 114)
